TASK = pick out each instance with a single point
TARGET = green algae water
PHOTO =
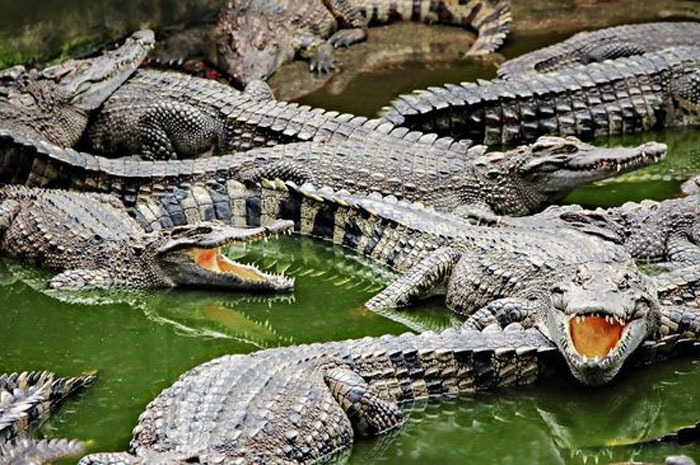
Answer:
(141, 343)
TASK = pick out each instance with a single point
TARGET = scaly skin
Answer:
(666, 232)
(53, 104)
(254, 38)
(25, 398)
(518, 182)
(604, 44)
(627, 95)
(165, 115)
(321, 393)
(91, 241)
(490, 270)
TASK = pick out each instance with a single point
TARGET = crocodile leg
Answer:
(686, 90)
(421, 280)
(352, 21)
(167, 129)
(319, 52)
(8, 210)
(492, 29)
(681, 249)
(679, 287)
(81, 279)
(259, 90)
(503, 312)
(369, 414)
(611, 51)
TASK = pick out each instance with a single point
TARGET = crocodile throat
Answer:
(214, 260)
(595, 336)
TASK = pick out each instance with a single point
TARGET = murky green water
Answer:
(140, 343)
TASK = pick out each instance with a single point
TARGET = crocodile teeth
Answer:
(595, 335)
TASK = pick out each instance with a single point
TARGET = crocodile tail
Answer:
(29, 452)
(493, 23)
(25, 397)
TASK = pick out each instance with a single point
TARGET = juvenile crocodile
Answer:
(167, 115)
(604, 44)
(93, 243)
(620, 96)
(254, 38)
(53, 104)
(518, 182)
(25, 398)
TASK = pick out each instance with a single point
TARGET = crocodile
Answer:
(254, 38)
(53, 103)
(604, 44)
(626, 95)
(305, 404)
(517, 182)
(25, 398)
(665, 233)
(90, 240)
(165, 115)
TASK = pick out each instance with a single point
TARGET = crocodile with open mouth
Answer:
(304, 404)
(92, 242)
(53, 104)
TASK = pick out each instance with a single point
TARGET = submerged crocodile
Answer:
(518, 182)
(53, 104)
(93, 243)
(254, 38)
(601, 45)
(25, 398)
(627, 95)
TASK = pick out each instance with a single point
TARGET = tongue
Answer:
(594, 337)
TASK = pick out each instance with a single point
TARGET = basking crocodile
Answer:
(254, 38)
(53, 104)
(620, 96)
(304, 404)
(24, 399)
(666, 232)
(166, 115)
(518, 182)
(92, 242)
(601, 45)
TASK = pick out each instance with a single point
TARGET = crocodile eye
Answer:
(558, 289)
(493, 174)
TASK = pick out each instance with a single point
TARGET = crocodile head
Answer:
(54, 102)
(192, 256)
(525, 179)
(250, 46)
(88, 82)
(598, 316)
